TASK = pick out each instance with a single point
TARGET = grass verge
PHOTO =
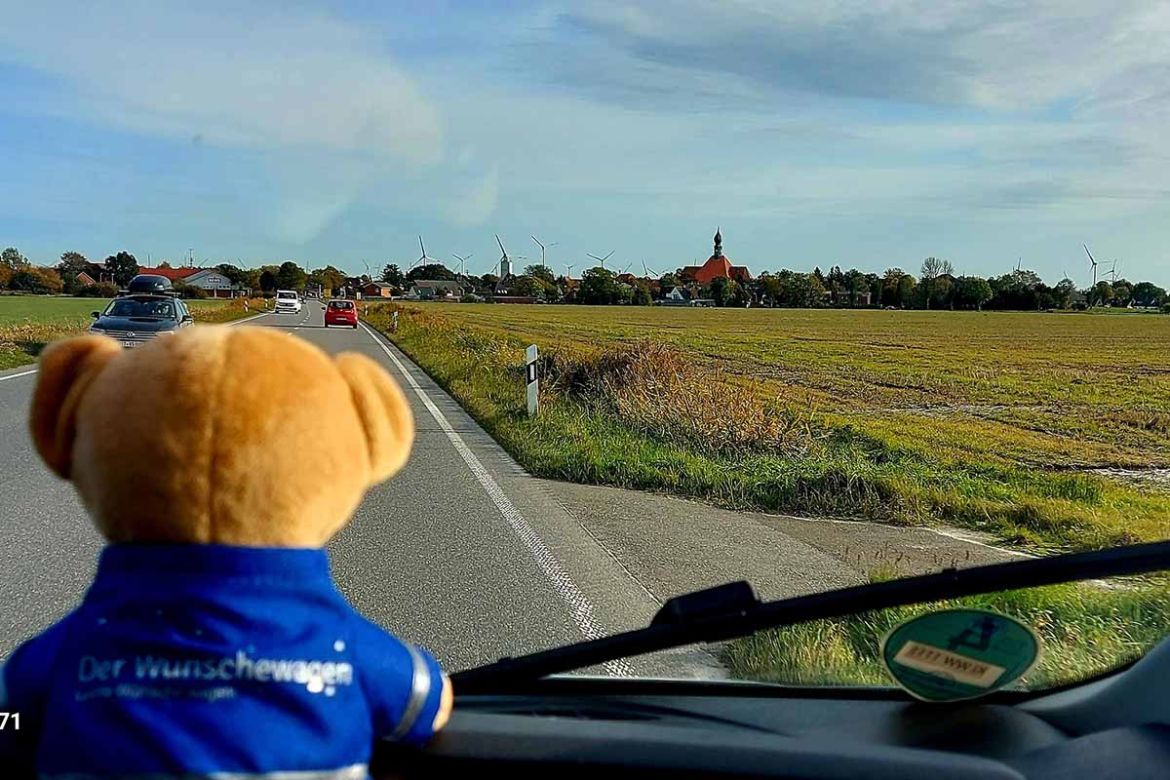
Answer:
(646, 415)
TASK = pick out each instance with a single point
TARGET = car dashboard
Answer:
(577, 727)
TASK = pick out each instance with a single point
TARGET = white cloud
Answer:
(1054, 106)
(322, 108)
(235, 75)
(1016, 55)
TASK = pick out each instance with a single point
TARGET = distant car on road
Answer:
(147, 308)
(341, 313)
(288, 302)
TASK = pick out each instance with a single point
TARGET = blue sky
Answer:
(854, 133)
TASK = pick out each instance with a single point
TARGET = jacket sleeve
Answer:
(25, 679)
(403, 685)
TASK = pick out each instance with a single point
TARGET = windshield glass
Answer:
(1084, 630)
(811, 295)
(132, 307)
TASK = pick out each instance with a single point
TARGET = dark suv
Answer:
(147, 307)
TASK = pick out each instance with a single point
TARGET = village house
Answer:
(212, 281)
(675, 296)
(377, 290)
(436, 290)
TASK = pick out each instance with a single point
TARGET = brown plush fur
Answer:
(244, 436)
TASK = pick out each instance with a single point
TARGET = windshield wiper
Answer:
(733, 610)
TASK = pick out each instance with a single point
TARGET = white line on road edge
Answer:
(14, 376)
(248, 319)
(236, 322)
(579, 607)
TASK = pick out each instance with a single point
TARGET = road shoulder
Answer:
(672, 545)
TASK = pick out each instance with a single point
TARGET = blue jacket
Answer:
(200, 659)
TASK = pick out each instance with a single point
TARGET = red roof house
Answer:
(174, 274)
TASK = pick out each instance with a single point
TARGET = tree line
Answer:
(18, 274)
(937, 285)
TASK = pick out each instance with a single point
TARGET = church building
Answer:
(717, 265)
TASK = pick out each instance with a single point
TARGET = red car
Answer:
(341, 313)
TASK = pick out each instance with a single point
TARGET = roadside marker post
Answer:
(533, 381)
(393, 322)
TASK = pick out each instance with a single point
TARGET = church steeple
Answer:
(718, 243)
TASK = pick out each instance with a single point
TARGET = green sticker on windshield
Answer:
(959, 653)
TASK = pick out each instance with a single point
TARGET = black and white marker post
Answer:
(533, 382)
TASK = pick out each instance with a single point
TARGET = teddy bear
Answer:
(217, 463)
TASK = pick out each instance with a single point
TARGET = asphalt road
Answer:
(462, 552)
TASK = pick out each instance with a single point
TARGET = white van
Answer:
(288, 302)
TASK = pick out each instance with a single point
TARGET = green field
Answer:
(992, 421)
(20, 309)
(29, 322)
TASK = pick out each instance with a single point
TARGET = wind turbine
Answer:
(423, 259)
(569, 275)
(542, 248)
(649, 273)
(1093, 261)
(463, 262)
(1113, 273)
(505, 261)
(627, 268)
(602, 259)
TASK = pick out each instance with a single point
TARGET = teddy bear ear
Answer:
(66, 370)
(384, 412)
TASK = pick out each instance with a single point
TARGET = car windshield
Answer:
(810, 295)
(136, 307)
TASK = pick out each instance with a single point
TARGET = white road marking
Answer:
(14, 376)
(248, 319)
(579, 607)
(957, 535)
(235, 322)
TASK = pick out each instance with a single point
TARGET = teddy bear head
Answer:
(218, 435)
